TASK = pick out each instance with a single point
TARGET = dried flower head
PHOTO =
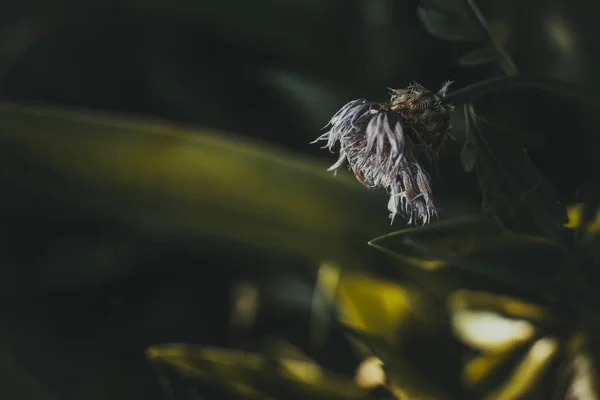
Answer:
(394, 145)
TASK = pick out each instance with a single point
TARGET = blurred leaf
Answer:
(407, 377)
(523, 370)
(529, 372)
(479, 368)
(585, 223)
(370, 373)
(510, 184)
(254, 375)
(576, 219)
(490, 332)
(173, 180)
(374, 306)
(449, 20)
(514, 344)
(583, 377)
(480, 248)
(405, 329)
(323, 302)
(555, 41)
(461, 20)
(476, 57)
(494, 323)
(510, 306)
(245, 305)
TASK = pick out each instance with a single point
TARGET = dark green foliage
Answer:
(511, 186)
(460, 20)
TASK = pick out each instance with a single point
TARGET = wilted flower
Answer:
(394, 145)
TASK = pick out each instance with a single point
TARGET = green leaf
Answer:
(254, 375)
(172, 180)
(396, 323)
(501, 331)
(375, 306)
(533, 52)
(500, 296)
(461, 20)
(413, 370)
(476, 252)
(511, 186)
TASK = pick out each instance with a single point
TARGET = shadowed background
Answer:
(96, 264)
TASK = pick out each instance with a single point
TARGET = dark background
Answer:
(83, 295)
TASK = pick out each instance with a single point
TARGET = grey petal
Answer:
(423, 185)
(339, 162)
(444, 89)
(390, 135)
(380, 137)
(371, 133)
(399, 133)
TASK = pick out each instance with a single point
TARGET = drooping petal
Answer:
(339, 162)
(371, 133)
(380, 139)
(389, 131)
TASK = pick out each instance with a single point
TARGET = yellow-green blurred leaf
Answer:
(474, 300)
(583, 383)
(480, 367)
(186, 181)
(323, 302)
(373, 305)
(513, 342)
(404, 377)
(529, 372)
(404, 328)
(490, 332)
(494, 323)
(523, 373)
(370, 373)
(574, 213)
(255, 375)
